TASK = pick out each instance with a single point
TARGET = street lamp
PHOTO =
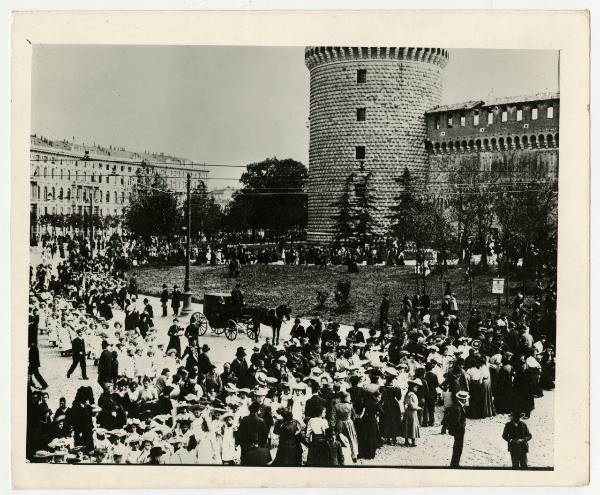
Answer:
(187, 293)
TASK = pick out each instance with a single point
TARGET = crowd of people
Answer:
(131, 251)
(319, 399)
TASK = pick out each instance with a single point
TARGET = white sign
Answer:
(497, 286)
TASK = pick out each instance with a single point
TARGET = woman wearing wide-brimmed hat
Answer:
(410, 423)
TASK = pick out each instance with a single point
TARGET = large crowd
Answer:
(318, 399)
(130, 251)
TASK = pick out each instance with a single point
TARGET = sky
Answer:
(224, 105)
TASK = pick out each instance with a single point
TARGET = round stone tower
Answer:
(367, 110)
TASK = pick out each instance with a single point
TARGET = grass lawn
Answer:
(270, 285)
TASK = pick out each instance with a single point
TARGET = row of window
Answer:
(490, 117)
(80, 194)
(79, 210)
(97, 178)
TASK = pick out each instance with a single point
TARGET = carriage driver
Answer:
(237, 298)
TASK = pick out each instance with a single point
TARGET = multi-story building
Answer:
(223, 196)
(515, 138)
(72, 179)
(376, 110)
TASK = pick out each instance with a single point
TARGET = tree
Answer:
(411, 221)
(153, 209)
(207, 216)
(345, 218)
(442, 236)
(272, 197)
(365, 206)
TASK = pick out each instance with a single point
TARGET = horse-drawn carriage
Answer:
(223, 316)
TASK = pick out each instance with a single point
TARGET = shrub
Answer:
(342, 295)
(322, 297)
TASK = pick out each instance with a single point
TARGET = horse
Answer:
(273, 317)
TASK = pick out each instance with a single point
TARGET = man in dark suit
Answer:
(105, 364)
(432, 381)
(204, 363)
(192, 333)
(315, 405)
(148, 308)
(297, 331)
(78, 352)
(355, 336)
(34, 366)
(384, 310)
(252, 433)
(176, 298)
(517, 435)
(456, 420)
(191, 354)
(164, 299)
(264, 412)
(239, 367)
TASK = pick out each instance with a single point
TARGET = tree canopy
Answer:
(153, 209)
(271, 198)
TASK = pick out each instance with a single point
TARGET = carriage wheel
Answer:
(250, 331)
(218, 330)
(200, 320)
(231, 330)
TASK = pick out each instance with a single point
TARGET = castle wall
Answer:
(400, 86)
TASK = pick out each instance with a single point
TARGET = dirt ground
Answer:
(483, 447)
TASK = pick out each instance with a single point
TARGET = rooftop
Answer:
(102, 153)
(468, 105)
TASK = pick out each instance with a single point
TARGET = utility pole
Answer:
(92, 223)
(187, 293)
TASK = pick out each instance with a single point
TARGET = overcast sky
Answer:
(224, 105)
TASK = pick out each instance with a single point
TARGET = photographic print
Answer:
(293, 256)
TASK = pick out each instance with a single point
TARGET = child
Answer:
(516, 434)
(335, 456)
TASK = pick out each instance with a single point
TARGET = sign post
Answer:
(498, 289)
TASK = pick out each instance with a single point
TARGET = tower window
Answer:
(361, 114)
(360, 152)
(449, 121)
(534, 113)
(550, 112)
(361, 76)
(519, 114)
(437, 123)
(490, 117)
(504, 115)
(463, 119)
(476, 118)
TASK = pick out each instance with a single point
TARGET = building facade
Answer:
(69, 179)
(514, 139)
(376, 110)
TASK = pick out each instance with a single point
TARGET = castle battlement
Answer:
(317, 55)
